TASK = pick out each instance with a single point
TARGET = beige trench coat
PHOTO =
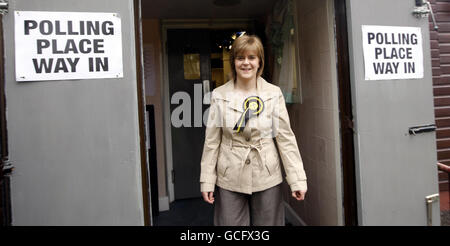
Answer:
(248, 161)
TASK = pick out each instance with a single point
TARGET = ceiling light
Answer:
(226, 3)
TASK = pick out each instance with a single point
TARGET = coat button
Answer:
(247, 161)
(247, 139)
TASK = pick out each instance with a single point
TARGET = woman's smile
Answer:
(247, 65)
(245, 70)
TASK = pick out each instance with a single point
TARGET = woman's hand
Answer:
(299, 195)
(208, 197)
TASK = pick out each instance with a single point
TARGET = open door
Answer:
(395, 150)
(197, 63)
(189, 55)
(76, 130)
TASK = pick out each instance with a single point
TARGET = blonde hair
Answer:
(245, 43)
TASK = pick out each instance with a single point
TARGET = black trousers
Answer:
(264, 208)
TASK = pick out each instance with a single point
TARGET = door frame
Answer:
(145, 175)
(345, 115)
(5, 165)
(167, 24)
(345, 104)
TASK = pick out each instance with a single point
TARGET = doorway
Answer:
(198, 62)
(314, 118)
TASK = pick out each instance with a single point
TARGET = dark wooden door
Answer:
(189, 53)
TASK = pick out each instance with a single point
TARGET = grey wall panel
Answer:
(75, 143)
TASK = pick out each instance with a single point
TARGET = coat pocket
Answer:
(225, 171)
(224, 161)
(268, 170)
(222, 165)
(272, 163)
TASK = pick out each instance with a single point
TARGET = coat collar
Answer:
(263, 89)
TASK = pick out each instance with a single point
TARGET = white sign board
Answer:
(67, 45)
(392, 52)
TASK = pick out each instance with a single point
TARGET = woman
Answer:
(240, 156)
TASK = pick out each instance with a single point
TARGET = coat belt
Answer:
(249, 147)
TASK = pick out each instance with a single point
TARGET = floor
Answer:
(188, 212)
(196, 212)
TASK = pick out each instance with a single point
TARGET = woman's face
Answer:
(246, 65)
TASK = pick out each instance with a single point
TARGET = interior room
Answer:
(186, 48)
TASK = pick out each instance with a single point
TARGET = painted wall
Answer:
(75, 143)
(316, 120)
